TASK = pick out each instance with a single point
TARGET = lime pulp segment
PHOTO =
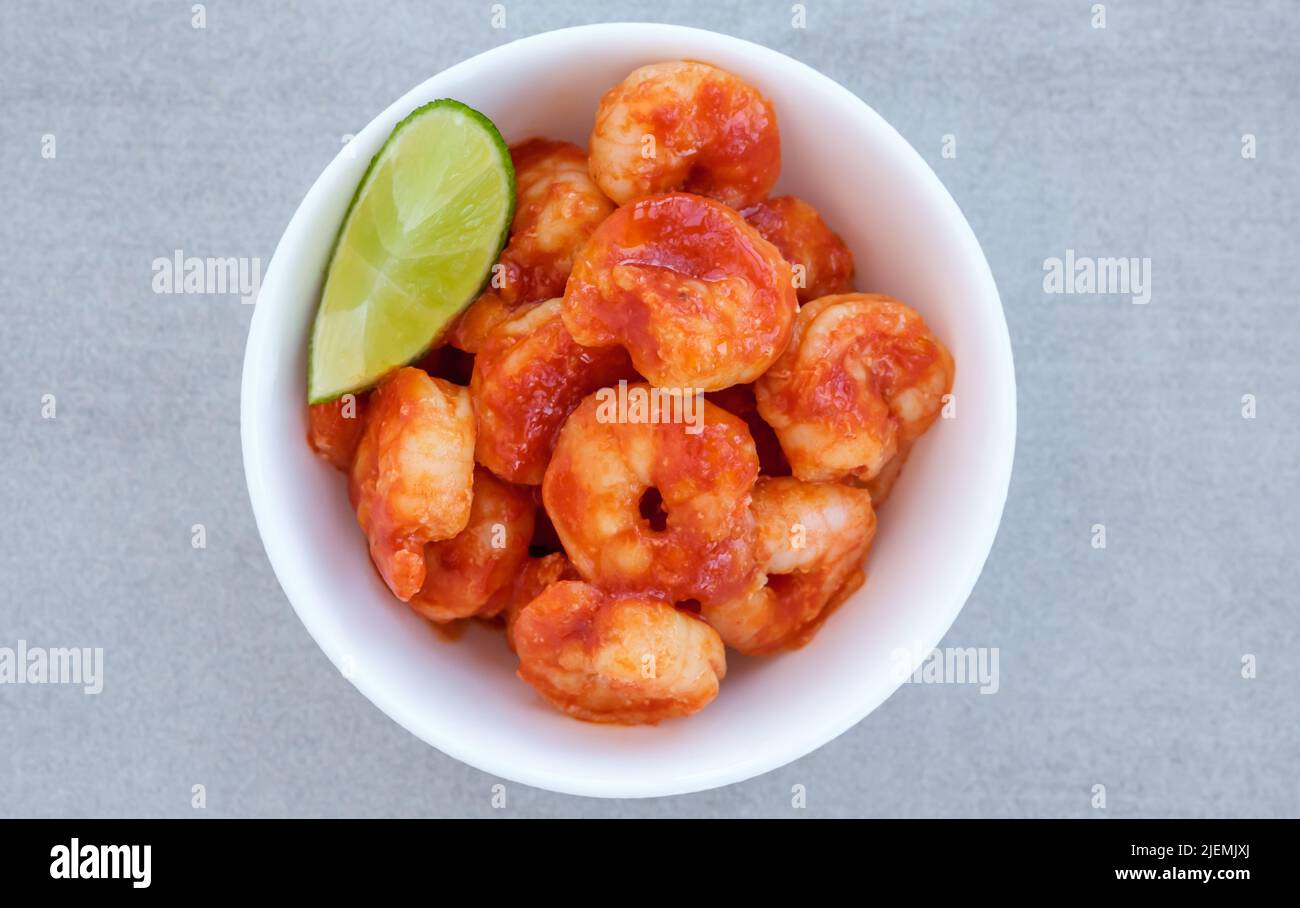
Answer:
(416, 246)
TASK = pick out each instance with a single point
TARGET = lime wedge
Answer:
(416, 246)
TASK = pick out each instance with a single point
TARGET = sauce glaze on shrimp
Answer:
(557, 207)
(811, 541)
(463, 573)
(528, 376)
(334, 429)
(630, 659)
(794, 227)
(649, 507)
(862, 378)
(412, 477)
(695, 294)
(529, 583)
(685, 125)
(738, 400)
(471, 329)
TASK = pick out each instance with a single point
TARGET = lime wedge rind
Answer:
(452, 153)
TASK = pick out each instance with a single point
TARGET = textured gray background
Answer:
(1119, 667)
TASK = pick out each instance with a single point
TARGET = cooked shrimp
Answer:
(863, 376)
(529, 583)
(685, 125)
(475, 323)
(412, 476)
(794, 227)
(882, 484)
(334, 429)
(528, 376)
(557, 207)
(630, 660)
(695, 294)
(738, 400)
(463, 573)
(653, 507)
(811, 541)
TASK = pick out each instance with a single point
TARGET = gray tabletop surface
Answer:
(1163, 667)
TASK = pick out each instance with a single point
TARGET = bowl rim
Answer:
(388, 699)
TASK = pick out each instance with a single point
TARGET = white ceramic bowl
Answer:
(909, 239)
